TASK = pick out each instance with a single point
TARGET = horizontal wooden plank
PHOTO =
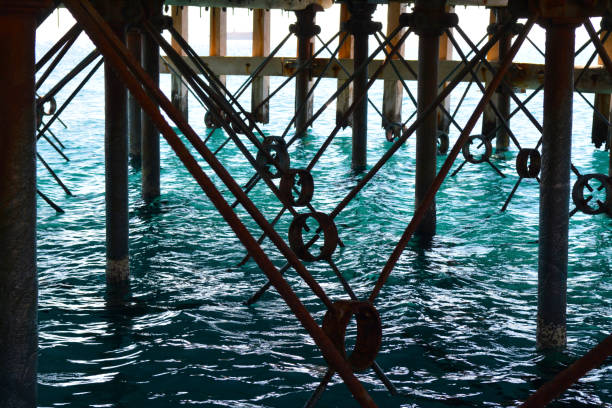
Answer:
(521, 76)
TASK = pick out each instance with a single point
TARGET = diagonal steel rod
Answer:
(56, 207)
(56, 47)
(408, 132)
(68, 100)
(303, 103)
(219, 100)
(452, 156)
(60, 55)
(55, 176)
(69, 76)
(493, 105)
(135, 78)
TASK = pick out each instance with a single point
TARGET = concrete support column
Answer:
(555, 186)
(393, 90)
(218, 34)
(345, 99)
(134, 112)
(18, 278)
(305, 29)
(260, 89)
(116, 159)
(150, 134)
(426, 143)
(178, 92)
(361, 26)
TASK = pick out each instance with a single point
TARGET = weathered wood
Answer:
(256, 4)
(260, 88)
(301, 4)
(446, 54)
(218, 35)
(601, 130)
(489, 121)
(520, 75)
(345, 99)
(179, 93)
(393, 90)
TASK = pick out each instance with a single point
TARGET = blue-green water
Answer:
(458, 318)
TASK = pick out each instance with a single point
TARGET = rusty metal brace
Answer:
(135, 78)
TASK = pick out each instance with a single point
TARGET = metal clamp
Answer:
(369, 331)
(528, 163)
(469, 157)
(304, 180)
(277, 148)
(326, 226)
(443, 142)
(582, 203)
(212, 122)
(429, 22)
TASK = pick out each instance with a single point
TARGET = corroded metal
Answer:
(555, 187)
(135, 78)
(18, 277)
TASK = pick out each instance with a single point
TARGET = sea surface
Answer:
(458, 316)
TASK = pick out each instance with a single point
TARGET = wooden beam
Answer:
(520, 75)
(260, 89)
(393, 90)
(600, 134)
(345, 99)
(489, 120)
(180, 22)
(218, 34)
(446, 54)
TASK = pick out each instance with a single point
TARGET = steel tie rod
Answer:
(135, 78)
(433, 189)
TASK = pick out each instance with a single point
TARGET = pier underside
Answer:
(141, 42)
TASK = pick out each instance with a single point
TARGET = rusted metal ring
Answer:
(582, 204)
(52, 106)
(369, 331)
(467, 155)
(327, 228)
(306, 183)
(212, 122)
(249, 122)
(277, 148)
(443, 142)
(528, 163)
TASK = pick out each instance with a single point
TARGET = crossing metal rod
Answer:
(358, 98)
(211, 98)
(338, 126)
(215, 84)
(303, 104)
(568, 377)
(56, 47)
(56, 207)
(452, 156)
(60, 55)
(69, 76)
(499, 111)
(136, 78)
(68, 100)
(136, 75)
(408, 132)
(50, 170)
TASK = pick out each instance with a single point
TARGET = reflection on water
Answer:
(458, 316)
